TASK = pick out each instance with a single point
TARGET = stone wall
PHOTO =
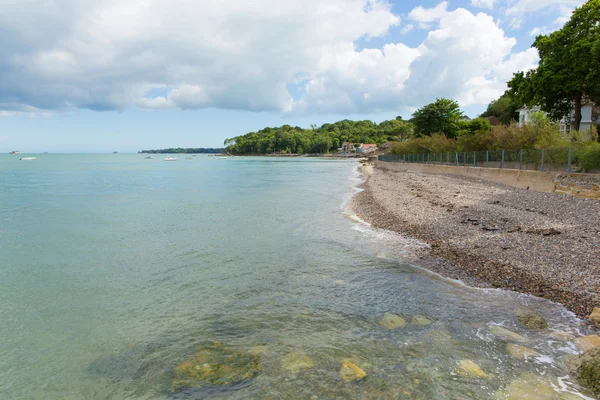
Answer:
(580, 185)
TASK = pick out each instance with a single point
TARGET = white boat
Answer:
(223, 158)
(27, 158)
(170, 159)
(15, 152)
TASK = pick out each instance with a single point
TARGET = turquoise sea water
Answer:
(114, 269)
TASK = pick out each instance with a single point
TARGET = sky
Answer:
(127, 75)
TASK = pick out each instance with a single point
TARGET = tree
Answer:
(443, 116)
(505, 109)
(569, 68)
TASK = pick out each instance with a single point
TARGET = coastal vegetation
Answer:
(180, 150)
(318, 140)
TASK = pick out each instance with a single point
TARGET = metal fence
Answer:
(560, 160)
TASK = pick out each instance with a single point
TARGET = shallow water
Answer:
(115, 269)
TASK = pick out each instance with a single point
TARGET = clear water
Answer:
(114, 269)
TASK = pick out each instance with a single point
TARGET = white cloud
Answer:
(519, 10)
(426, 16)
(483, 3)
(114, 54)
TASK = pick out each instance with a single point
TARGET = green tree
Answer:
(443, 116)
(569, 68)
(505, 109)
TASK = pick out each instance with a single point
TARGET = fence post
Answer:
(456, 158)
(465, 158)
(487, 158)
(570, 155)
(543, 154)
(474, 158)
(502, 162)
(521, 159)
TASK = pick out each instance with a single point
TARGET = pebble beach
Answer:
(491, 235)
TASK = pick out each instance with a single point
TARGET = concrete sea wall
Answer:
(580, 185)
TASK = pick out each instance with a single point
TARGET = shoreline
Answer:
(489, 235)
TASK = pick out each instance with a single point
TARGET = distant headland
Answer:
(180, 150)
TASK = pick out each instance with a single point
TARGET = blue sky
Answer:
(126, 75)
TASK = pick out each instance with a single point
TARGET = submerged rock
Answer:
(588, 342)
(532, 320)
(519, 352)
(351, 372)
(392, 321)
(296, 362)
(532, 387)
(587, 372)
(420, 320)
(595, 315)
(215, 364)
(562, 336)
(470, 369)
(506, 334)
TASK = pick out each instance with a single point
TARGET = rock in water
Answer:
(296, 362)
(392, 321)
(532, 320)
(595, 315)
(588, 342)
(351, 372)
(588, 370)
(215, 364)
(420, 320)
(519, 352)
(469, 369)
(532, 387)
(506, 334)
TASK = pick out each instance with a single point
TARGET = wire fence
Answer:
(560, 160)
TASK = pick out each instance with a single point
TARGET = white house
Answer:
(565, 123)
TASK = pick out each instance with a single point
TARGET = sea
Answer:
(115, 269)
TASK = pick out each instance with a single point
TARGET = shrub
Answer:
(589, 158)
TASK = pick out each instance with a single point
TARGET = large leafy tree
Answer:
(569, 70)
(442, 116)
(505, 109)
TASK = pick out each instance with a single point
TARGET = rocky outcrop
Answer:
(506, 334)
(588, 342)
(595, 315)
(420, 320)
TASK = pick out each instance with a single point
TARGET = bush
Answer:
(589, 157)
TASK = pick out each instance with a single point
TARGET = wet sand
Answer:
(491, 235)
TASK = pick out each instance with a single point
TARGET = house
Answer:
(348, 147)
(565, 123)
(367, 148)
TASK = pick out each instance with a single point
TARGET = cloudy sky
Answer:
(103, 75)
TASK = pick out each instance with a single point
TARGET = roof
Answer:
(367, 146)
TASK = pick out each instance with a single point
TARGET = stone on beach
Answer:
(420, 320)
(392, 321)
(519, 352)
(215, 364)
(595, 315)
(296, 362)
(532, 320)
(506, 334)
(351, 372)
(470, 369)
(588, 342)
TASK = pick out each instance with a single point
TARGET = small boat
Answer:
(223, 158)
(189, 158)
(27, 158)
(149, 158)
(15, 152)
(170, 159)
